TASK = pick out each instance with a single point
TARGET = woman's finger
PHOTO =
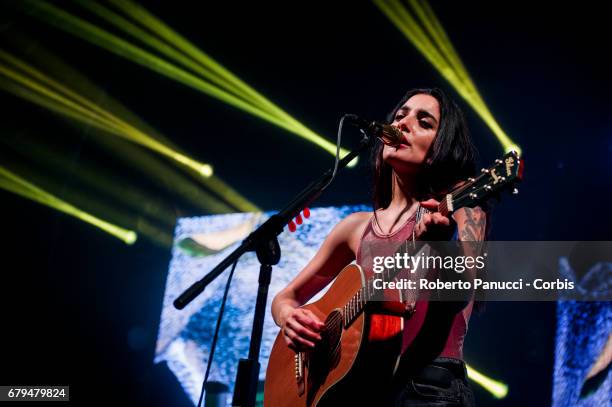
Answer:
(289, 343)
(312, 315)
(420, 229)
(296, 339)
(302, 331)
(440, 219)
(430, 204)
(308, 319)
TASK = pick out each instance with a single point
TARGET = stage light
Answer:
(106, 122)
(131, 237)
(91, 33)
(88, 110)
(429, 37)
(158, 234)
(71, 103)
(204, 169)
(80, 85)
(193, 57)
(146, 163)
(209, 69)
(499, 390)
(38, 151)
(13, 183)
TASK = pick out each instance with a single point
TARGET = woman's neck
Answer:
(403, 197)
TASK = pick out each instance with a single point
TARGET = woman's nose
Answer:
(403, 125)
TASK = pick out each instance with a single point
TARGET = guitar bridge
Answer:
(299, 372)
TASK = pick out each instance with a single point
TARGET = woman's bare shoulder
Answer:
(359, 217)
(356, 220)
(353, 227)
(351, 222)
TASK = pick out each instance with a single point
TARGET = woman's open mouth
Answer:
(405, 143)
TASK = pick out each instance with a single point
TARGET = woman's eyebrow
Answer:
(425, 113)
(403, 109)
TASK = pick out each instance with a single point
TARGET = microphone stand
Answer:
(264, 242)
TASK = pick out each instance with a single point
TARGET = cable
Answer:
(216, 334)
(338, 141)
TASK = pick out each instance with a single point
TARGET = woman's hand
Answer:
(433, 226)
(301, 329)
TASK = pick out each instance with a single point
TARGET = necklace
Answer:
(391, 232)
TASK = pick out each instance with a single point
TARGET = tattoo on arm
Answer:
(474, 225)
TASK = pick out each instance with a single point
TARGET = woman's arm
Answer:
(471, 229)
(471, 224)
(301, 327)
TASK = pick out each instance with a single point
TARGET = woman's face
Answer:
(418, 119)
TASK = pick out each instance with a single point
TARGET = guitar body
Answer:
(362, 355)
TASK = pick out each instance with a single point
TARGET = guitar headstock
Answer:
(504, 174)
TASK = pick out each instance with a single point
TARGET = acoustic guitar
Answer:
(362, 338)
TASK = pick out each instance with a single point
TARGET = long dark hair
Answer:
(450, 159)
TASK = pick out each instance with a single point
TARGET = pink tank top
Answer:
(453, 347)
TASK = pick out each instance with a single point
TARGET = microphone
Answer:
(388, 134)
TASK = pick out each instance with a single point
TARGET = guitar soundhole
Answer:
(331, 335)
(327, 353)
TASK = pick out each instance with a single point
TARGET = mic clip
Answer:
(388, 134)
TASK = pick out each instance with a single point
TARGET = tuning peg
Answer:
(292, 226)
(515, 191)
(498, 161)
(306, 213)
(484, 170)
(298, 219)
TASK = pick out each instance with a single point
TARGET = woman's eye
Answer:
(398, 117)
(425, 124)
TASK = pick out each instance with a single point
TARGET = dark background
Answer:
(79, 307)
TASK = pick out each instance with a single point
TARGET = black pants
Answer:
(442, 383)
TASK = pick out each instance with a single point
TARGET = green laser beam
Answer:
(119, 127)
(13, 183)
(87, 174)
(173, 181)
(157, 26)
(77, 198)
(82, 86)
(112, 43)
(440, 52)
(498, 389)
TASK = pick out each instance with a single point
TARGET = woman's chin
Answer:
(404, 166)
